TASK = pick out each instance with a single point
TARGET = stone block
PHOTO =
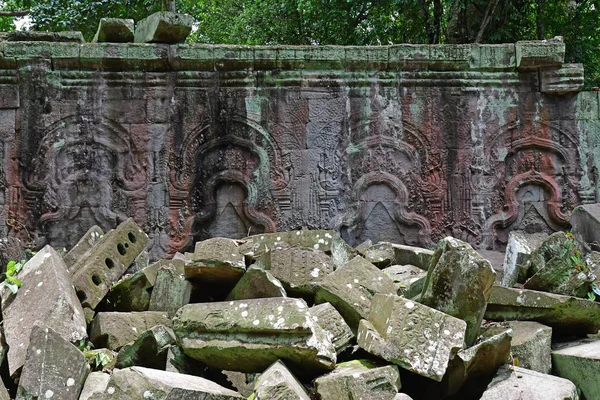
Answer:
(96, 383)
(362, 379)
(54, 368)
(410, 255)
(250, 335)
(411, 335)
(164, 27)
(531, 345)
(579, 362)
(113, 330)
(117, 30)
(105, 56)
(458, 283)
(334, 325)
(362, 58)
(46, 297)
(233, 58)
(585, 225)
(147, 57)
(192, 57)
(142, 383)
(539, 53)
(409, 57)
(566, 315)
(178, 362)
(256, 283)
(83, 247)
(39, 36)
(351, 288)
(408, 279)
(108, 260)
(493, 57)
(130, 294)
(519, 247)
(171, 290)
(381, 254)
(568, 78)
(148, 350)
(278, 383)
(520, 383)
(449, 57)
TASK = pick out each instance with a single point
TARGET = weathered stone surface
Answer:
(402, 396)
(408, 279)
(458, 283)
(385, 254)
(381, 255)
(94, 275)
(11, 249)
(243, 383)
(558, 266)
(171, 290)
(333, 324)
(54, 368)
(115, 30)
(36, 36)
(47, 298)
(83, 247)
(566, 315)
(96, 382)
(113, 330)
(216, 261)
(299, 270)
(278, 383)
(130, 294)
(143, 383)
(164, 27)
(585, 224)
(411, 335)
(351, 288)
(514, 383)
(531, 345)
(565, 79)
(148, 350)
(361, 379)
(536, 54)
(250, 335)
(579, 362)
(519, 247)
(178, 362)
(256, 283)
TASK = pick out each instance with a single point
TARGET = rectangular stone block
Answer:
(148, 57)
(112, 330)
(9, 96)
(579, 362)
(171, 290)
(588, 105)
(82, 249)
(359, 58)
(233, 58)
(585, 224)
(568, 78)
(104, 56)
(493, 57)
(265, 58)
(409, 57)
(539, 53)
(192, 57)
(447, 57)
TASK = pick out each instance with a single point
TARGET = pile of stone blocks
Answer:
(301, 315)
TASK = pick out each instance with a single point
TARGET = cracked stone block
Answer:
(256, 283)
(278, 383)
(94, 275)
(113, 330)
(458, 283)
(540, 53)
(131, 293)
(164, 27)
(566, 315)
(579, 362)
(147, 383)
(381, 255)
(54, 368)
(178, 362)
(116, 30)
(385, 254)
(216, 262)
(46, 297)
(514, 383)
(243, 383)
(362, 379)
(299, 270)
(531, 345)
(519, 247)
(408, 279)
(171, 290)
(148, 350)
(250, 335)
(585, 224)
(81, 250)
(411, 335)
(333, 324)
(96, 382)
(351, 287)
(567, 78)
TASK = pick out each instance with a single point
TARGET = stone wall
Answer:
(405, 143)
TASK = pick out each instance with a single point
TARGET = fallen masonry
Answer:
(302, 315)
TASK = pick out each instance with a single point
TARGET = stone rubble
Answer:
(253, 316)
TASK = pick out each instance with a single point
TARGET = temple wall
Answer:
(399, 143)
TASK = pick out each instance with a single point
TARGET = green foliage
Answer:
(13, 268)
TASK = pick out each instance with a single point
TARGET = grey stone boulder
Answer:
(408, 279)
(359, 379)
(381, 255)
(178, 362)
(37, 36)
(514, 383)
(250, 335)
(171, 290)
(579, 362)
(566, 315)
(83, 247)
(411, 335)
(96, 382)
(585, 225)
(351, 288)
(278, 383)
(164, 27)
(132, 293)
(148, 350)
(333, 324)
(459, 282)
(257, 283)
(47, 298)
(113, 330)
(385, 254)
(146, 383)
(116, 30)
(531, 345)
(519, 247)
(54, 368)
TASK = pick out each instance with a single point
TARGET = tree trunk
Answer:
(18, 13)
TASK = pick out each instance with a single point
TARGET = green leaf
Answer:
(591, 296)
(595, 289)
(11, 286)
(13, 280)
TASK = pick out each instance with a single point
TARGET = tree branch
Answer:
(17, 13)
(489, 12)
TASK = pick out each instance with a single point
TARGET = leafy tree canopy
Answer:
(349, 22)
